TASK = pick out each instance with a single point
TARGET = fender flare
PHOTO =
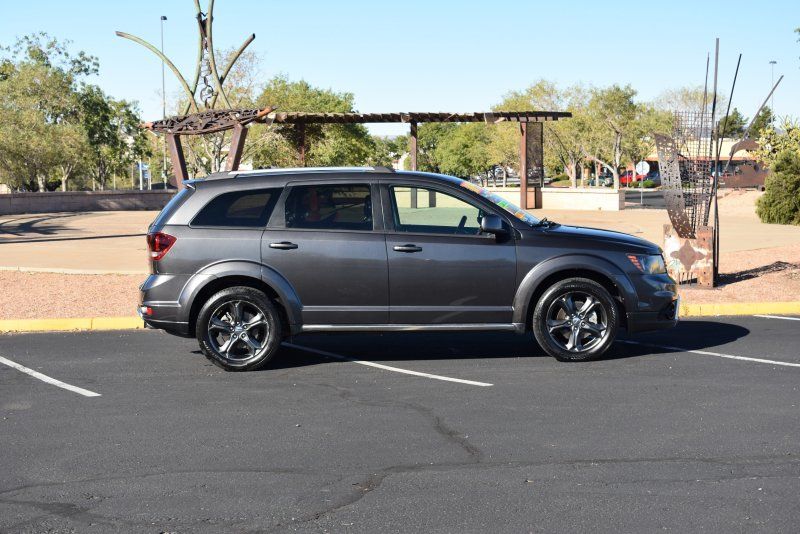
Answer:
(586, 262)
(243, 268)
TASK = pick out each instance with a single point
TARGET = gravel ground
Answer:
(50, 295)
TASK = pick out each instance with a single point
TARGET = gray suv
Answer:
(243, 260)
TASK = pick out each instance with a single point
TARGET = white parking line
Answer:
(709, 353)
(49, 380)
(386, 367)
(778, 317)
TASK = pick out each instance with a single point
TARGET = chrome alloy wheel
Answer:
(238, 331)
(577, 322)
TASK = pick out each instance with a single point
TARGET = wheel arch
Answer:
(248, 274)
(547, 273)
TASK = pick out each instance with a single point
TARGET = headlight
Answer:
(649, 263)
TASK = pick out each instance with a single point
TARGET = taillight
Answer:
(158, 244)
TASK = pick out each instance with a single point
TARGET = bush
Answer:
(649, 184)
(781, 201)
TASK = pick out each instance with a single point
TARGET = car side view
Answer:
(243, 260)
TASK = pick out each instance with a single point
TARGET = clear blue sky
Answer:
(439, 55)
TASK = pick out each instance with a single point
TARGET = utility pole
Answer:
(772, 84)
(163, 108)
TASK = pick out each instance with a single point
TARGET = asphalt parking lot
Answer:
(143, 434)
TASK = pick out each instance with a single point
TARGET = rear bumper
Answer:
(171, 327)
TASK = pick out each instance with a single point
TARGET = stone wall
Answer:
(74, 201)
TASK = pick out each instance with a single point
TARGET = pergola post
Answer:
(178, 161)
(301, 142)
(523, 165)
(413, 155)
(237, 147)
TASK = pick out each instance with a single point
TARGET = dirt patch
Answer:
(50, 295)
(763, 275)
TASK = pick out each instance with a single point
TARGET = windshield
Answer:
(497, 200)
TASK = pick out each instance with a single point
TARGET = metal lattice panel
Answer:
(684, 160)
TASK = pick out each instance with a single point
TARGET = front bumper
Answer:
(663, 319)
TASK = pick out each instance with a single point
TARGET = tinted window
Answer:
(329, 207)
(435, 213)
(249, 209)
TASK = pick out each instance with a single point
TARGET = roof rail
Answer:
(293, 170)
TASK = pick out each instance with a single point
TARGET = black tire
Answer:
(579, 336)
(239, 329)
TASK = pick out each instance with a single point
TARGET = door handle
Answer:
(283, 245)
(407, 248)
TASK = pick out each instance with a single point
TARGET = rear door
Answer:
(442, 269)
(326, 239)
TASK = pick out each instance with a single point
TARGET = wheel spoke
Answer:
(219, 324)
(257, 320)
(236, 310)
(225, 348)
(253, 345)
(588, 305)
(568, 303)
(574, 344)
(554, 325)
(596, 330)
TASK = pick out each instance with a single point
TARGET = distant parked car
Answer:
(604, 180)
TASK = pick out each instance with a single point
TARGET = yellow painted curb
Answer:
(740, 308)
(66, 325)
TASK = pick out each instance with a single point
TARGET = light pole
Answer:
(772, 102)
(163, 108)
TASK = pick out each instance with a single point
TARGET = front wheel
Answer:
(575, 320)
(239, 329)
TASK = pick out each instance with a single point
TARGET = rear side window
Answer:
(246, 209)
(330, 207)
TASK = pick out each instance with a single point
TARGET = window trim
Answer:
(273, 200)
(278, 219)
(390, 201)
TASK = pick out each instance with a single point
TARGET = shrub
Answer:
(649, 184)
(780, 204)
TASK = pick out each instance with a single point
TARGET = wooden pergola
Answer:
(530, 127)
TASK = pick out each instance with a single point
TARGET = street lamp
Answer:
(772, 102)
(163, 107)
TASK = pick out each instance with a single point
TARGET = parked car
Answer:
(242, 260)
(604, 180)
(629, 177)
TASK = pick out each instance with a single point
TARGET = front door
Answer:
(442, 269)
(326, 244)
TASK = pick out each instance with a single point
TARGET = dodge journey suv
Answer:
(243, 260)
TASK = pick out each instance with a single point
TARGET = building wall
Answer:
(74, 201)
(563, 198)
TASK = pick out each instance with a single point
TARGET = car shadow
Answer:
(410, 346)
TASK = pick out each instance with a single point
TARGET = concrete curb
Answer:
(740, 308)
(67, 325)
(130, 323)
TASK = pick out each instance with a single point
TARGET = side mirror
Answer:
(492, 224)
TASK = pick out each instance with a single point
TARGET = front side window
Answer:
(434, 212)
(245, 209)
(329, 207)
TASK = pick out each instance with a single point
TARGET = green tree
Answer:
(328, 145)
(733, 125)
(774, 141)
(763, 120)
(464, 152)
(780, 204)
(115, 138)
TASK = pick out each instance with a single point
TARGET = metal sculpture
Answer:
(202, 94)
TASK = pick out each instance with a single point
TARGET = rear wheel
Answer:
(575, 320)
(239, 329)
